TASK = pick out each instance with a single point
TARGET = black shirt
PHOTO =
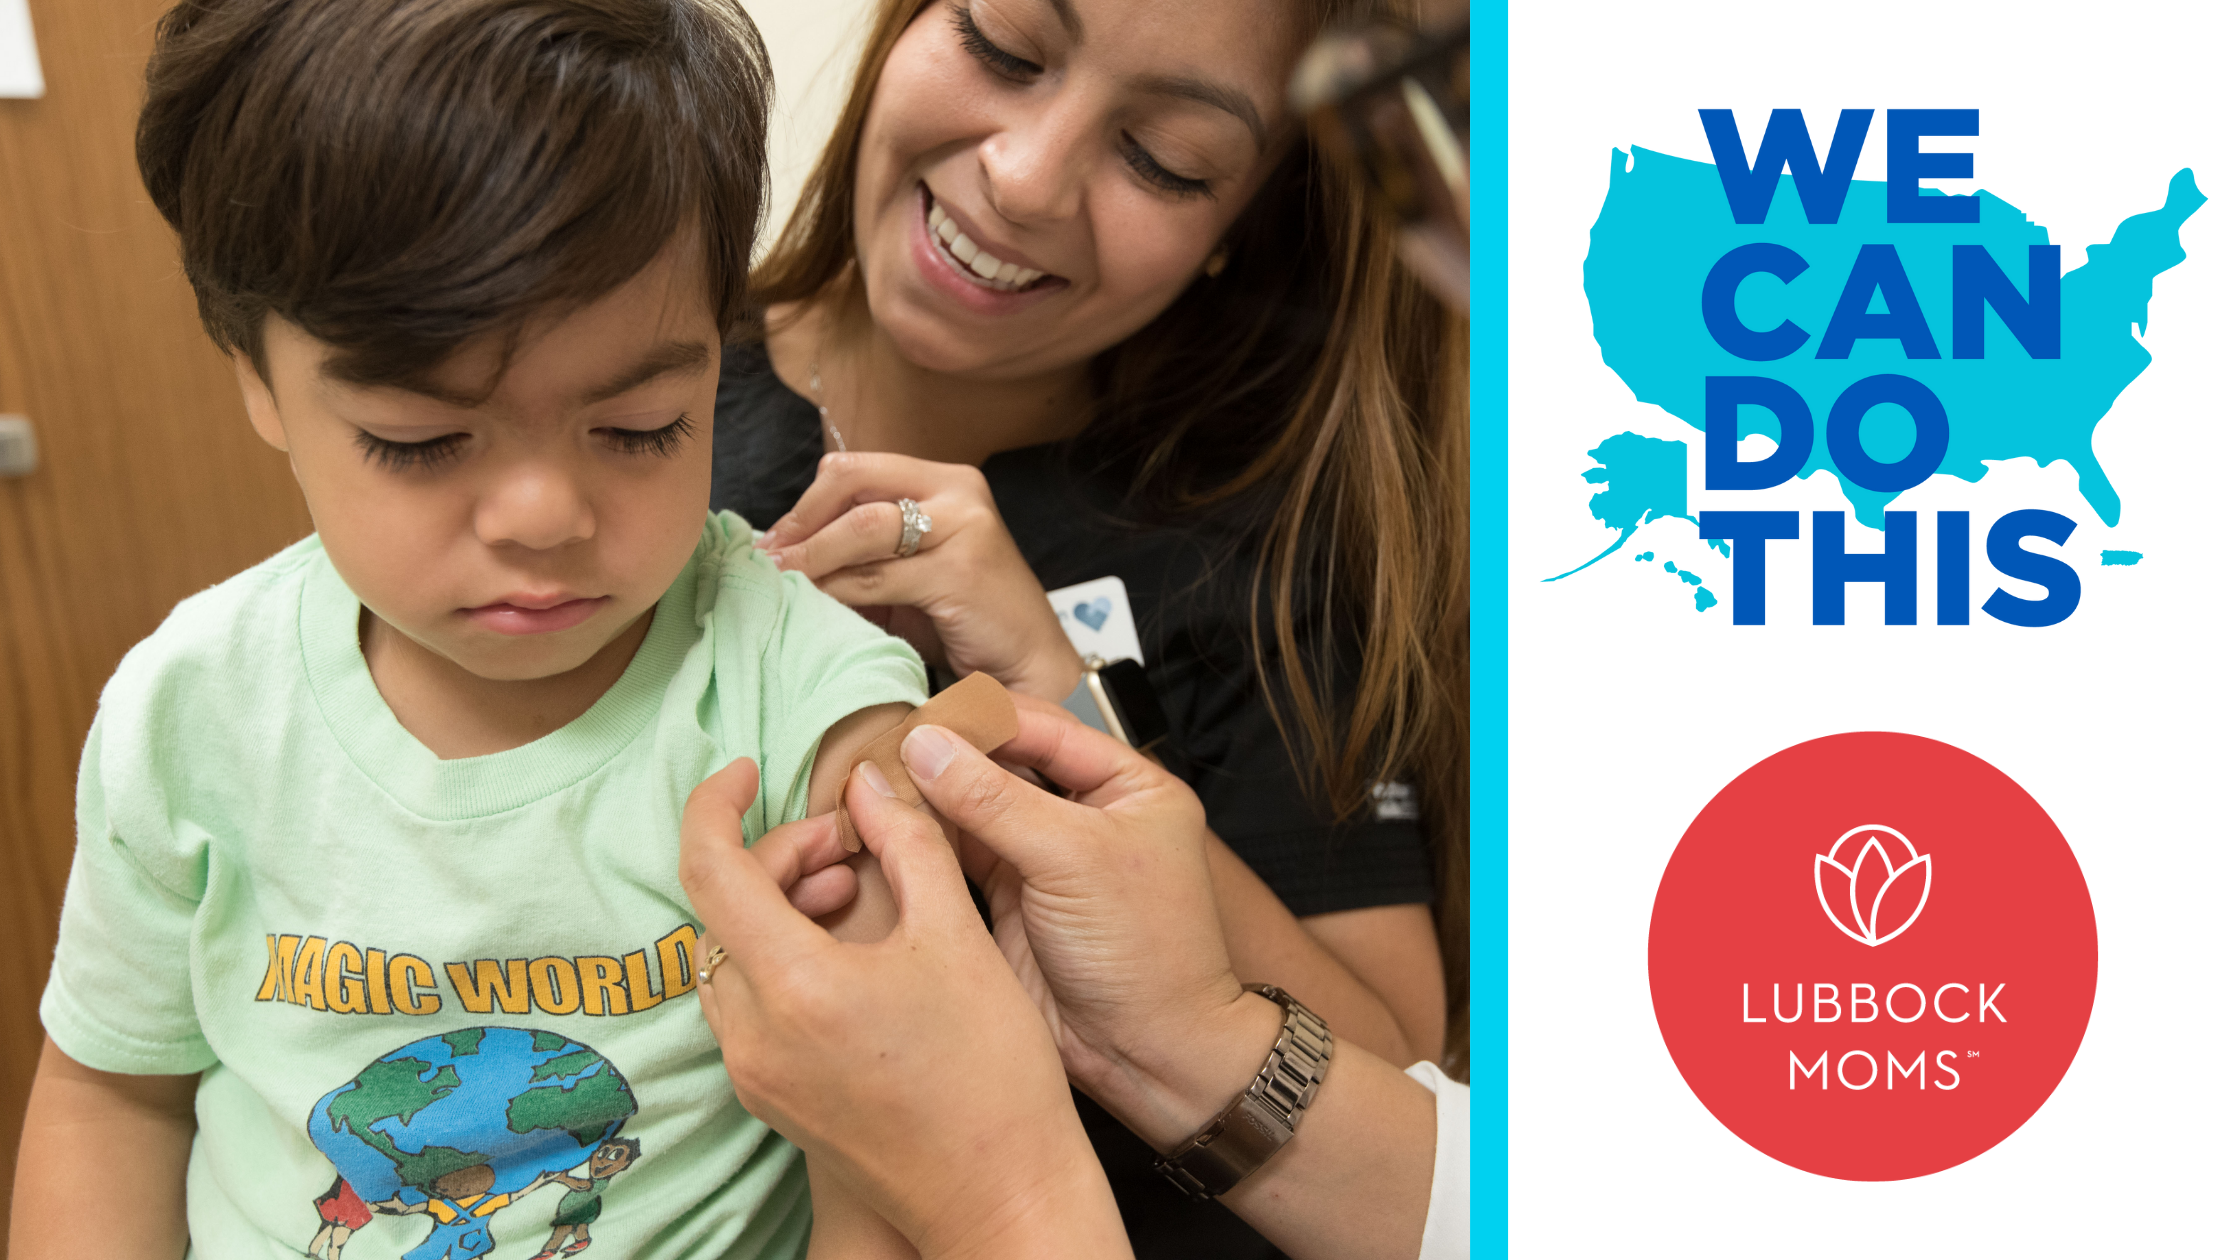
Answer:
(1190, 591)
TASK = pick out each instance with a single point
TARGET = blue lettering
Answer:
(1952, 568)
(1786, 143)
(1727, 328)
(1932, 433)
(1978, 282)
(1908, 165)
(1748, 531)
(1877, 270)
(1723, 398)
(2004, 547)
(1833, 568)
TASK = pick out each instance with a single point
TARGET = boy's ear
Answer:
(256, 396)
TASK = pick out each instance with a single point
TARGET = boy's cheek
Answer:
(411, 554)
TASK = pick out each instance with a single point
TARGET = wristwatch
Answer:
(1116, 697)
(1253, 1128)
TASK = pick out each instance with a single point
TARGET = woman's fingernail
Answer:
(874, 779)
(928, 752)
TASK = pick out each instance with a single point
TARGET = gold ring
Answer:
(715, 960)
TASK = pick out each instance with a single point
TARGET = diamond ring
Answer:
(915, 526)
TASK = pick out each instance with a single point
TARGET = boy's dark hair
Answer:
(399, 176)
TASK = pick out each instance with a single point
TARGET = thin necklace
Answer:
(824, 413)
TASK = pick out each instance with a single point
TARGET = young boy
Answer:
(374, 936)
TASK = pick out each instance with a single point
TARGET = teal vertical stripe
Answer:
(1489, 627)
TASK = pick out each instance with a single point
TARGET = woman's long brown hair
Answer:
(1316, 386)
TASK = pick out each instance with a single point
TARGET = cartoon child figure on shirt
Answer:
(341, 1214)
(580, 1206)
(461, 1204)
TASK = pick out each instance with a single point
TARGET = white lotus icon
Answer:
(1865, 894)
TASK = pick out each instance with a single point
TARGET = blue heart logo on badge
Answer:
(1097, 619)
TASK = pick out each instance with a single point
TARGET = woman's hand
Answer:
(1104, 906)
(967, 576)
(899, 1062)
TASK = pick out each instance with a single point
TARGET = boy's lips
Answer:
(535, 616)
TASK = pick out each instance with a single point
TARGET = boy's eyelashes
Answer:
(409, 456)
(663, 441)
(393, 456)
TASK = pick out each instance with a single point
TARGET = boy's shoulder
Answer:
(745, 600)
(727, 554)
(243, 628)
(741, 588)
(786, 662)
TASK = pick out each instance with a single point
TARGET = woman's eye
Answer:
(410, 456)
(977, 43)
(663, 441)
(1140, 160)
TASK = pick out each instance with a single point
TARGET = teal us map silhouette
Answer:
(1666, 221)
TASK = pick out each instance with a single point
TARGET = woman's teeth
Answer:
(998, 274)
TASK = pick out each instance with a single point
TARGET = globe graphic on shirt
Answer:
(520, 1101)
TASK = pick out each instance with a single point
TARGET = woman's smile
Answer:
(1017, 150)
(939, 242)
(984, 263)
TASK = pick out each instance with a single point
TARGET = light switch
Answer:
(19, 447)
(19, 54)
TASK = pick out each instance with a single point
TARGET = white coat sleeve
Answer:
(1446, 1226)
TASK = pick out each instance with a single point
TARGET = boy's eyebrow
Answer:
(667, 360)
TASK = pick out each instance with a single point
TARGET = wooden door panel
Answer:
(151, 484)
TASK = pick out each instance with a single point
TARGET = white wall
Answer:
(1631, 709)
(813, 46)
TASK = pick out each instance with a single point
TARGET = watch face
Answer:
(1082, 703)
(1128, 686)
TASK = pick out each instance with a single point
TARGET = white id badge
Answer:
(1098, 620)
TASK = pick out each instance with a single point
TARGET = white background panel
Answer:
(1631, 709)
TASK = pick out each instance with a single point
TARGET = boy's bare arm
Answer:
(103, 1166)
(845, 1225)
(872, 914)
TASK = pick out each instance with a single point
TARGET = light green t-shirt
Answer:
(450, 981)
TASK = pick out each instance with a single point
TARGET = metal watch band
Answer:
(1091, 688)
(1253, 1128)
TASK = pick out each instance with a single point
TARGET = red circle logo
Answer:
(1873, 956)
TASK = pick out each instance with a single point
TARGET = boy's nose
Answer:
(537, 507)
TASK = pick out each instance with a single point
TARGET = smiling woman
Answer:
(1066, 281)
